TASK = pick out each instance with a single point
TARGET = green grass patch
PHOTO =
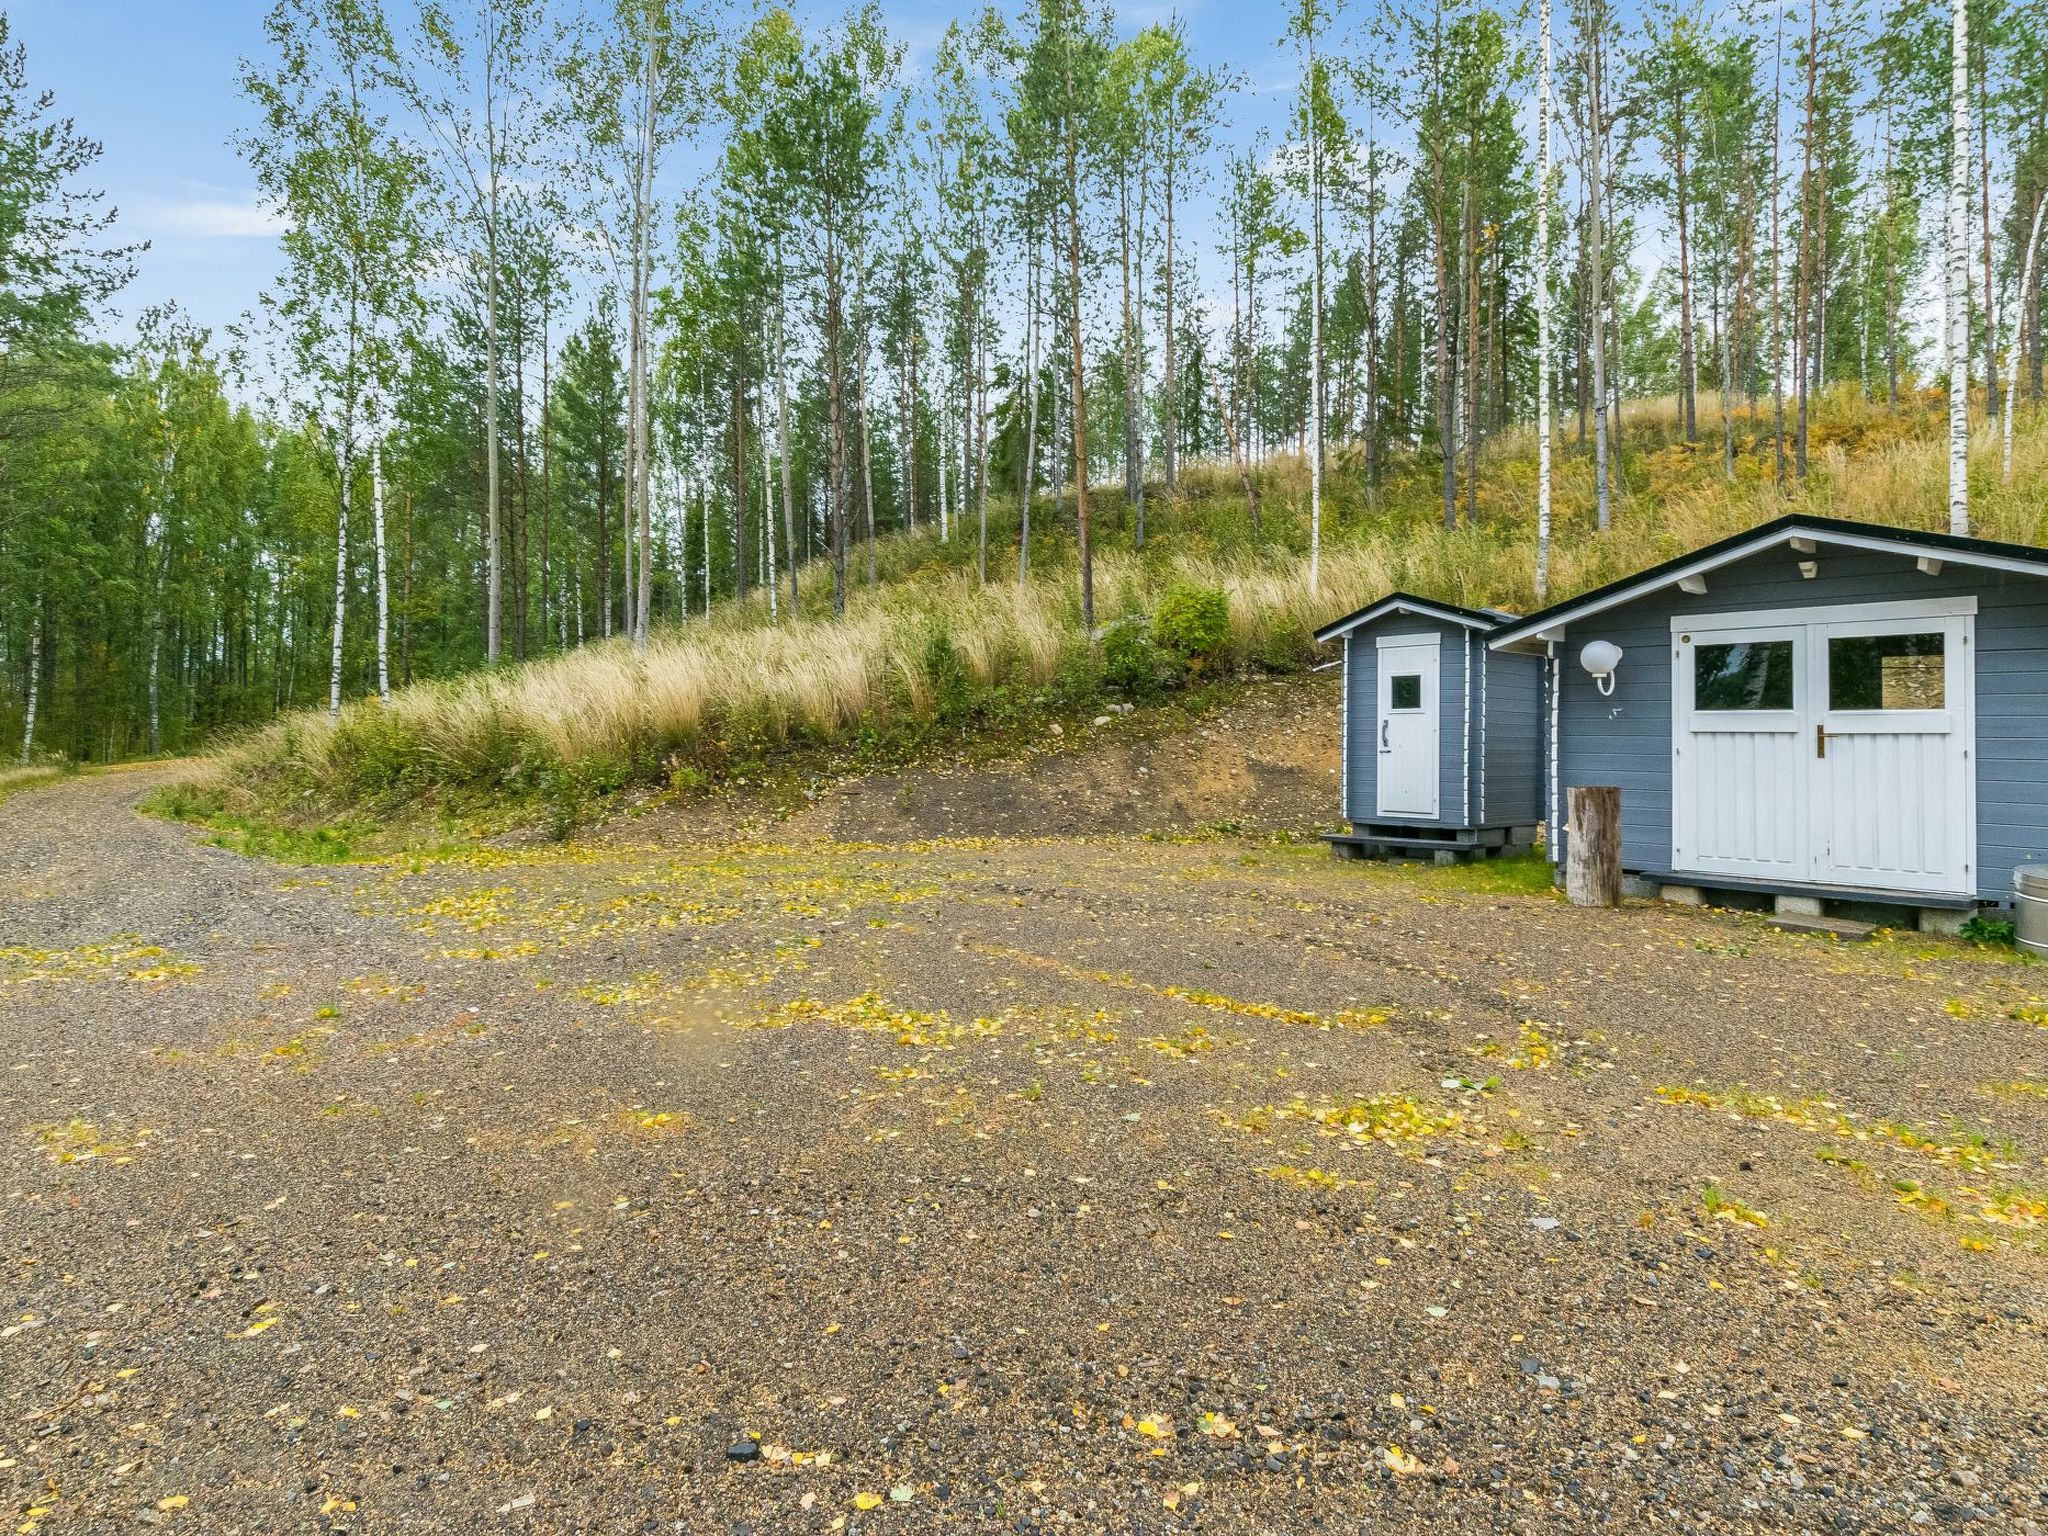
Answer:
(1525, 874)
(214, 808)
(32, 776)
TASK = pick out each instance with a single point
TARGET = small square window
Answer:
(1407, 690)
(1887, 672)
(1748, 674)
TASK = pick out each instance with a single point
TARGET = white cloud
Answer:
(210, 218)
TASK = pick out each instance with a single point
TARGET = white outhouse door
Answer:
(1409, 701)
(1833, 752)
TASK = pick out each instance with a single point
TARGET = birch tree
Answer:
(1062, 87)
(1318, 125)
(466, 77)
(1958, 284)
(1542, 282)
(325, 159)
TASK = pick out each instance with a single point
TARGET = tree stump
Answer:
(1592, 868)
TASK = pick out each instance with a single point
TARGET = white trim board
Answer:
(1418, 608)
(1801, 614)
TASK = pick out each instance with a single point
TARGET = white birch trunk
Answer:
(340, 587)
(493, 619)
(768, 511)
(782, 440)
(1542, 303)
(1597, 305)
(2016, 310)
(1959, 277)
(383, 587)
(981, 448)
(35, 676)
(643, 198)
(1315, 323)
(860, 400)
(945, 453)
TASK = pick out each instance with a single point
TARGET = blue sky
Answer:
(156, 83)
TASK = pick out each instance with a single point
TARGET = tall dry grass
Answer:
(717, 693)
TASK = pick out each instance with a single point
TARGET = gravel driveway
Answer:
(1018, 1185)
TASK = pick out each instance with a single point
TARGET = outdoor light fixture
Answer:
(1600, 659)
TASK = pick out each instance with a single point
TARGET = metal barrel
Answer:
(2030, 886)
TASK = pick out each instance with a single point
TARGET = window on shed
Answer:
(1745, 674)
(1406, 688)
(1887, 672)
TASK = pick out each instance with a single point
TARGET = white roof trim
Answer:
(1629, 592)
(1420, 608)
(1831, 613)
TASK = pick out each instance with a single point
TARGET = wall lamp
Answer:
(1600, 659)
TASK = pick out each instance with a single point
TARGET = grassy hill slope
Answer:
(927, 654)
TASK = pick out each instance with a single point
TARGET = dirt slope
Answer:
(1264, 762)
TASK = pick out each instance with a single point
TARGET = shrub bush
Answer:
(1193, 623)
(1130, 661)
(952, 689)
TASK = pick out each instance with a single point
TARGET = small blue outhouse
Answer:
(1442, 735)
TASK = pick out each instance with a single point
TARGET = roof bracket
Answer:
(1805, 546)
(1696, 585)
(1809, 569)
(1928, 565)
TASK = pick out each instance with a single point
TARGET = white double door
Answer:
(1838, 750)
(1410, 730)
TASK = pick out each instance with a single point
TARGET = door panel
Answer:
(1409, 703)
(1891, 755)
(1827, 753)
(1738, 774)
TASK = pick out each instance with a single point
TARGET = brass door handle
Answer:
(1820, 740)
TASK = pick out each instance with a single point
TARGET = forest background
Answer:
(581, 324)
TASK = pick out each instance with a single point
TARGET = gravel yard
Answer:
(1079, 1184)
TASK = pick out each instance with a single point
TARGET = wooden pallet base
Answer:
(1444, 845)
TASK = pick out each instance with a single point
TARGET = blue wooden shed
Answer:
(1818, 711)
(1441, 735)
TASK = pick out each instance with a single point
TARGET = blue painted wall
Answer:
(1626, 740)
(1513, 736)
(1504, 754)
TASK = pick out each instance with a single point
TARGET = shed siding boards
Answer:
(1626, 740)
(1362, 750)
(1499, 762)
(1513, 736)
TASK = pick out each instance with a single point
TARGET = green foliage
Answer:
(1131, 663)
(1193, 623)
(952, 689)
(1992, 931)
